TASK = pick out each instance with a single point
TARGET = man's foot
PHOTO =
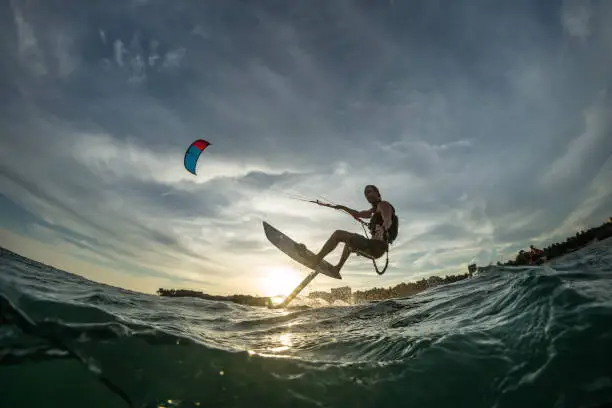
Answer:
(312, 261)
(301, 249)
(304, 253)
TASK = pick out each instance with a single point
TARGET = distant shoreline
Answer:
(240, 299)
(403, 289)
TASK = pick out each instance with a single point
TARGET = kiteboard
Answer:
(292, 248)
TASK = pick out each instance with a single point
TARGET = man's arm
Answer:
(355, 213)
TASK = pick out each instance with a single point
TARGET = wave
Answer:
(532, 337)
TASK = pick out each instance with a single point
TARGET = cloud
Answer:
(28, 48)
(483, 141)
(588, 151)
(576, 17)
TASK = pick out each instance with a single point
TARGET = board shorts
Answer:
(373, 247)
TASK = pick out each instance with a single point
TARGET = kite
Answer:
(193, 154)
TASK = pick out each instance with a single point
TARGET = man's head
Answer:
(371, 193)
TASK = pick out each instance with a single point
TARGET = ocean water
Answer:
(514, 337)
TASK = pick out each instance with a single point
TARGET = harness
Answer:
(386, 237)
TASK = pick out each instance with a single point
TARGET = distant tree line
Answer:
(405, 289)
(240, 299)
(401, 290)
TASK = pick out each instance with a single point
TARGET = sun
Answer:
(280, 281)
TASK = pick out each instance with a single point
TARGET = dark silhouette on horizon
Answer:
(401, 290)
(240, 299)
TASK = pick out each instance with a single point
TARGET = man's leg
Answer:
(337, 237)
(346, 252)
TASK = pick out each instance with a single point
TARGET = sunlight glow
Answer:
(276, 300)
(280, 281)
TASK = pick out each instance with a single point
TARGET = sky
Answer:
(487, 125)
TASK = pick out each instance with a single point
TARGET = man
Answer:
(383, 229)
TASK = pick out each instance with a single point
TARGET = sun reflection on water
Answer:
(285, 339)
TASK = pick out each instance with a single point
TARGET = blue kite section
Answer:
(191, 158)
(193, 154)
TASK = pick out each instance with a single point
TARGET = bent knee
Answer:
(341, 235)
